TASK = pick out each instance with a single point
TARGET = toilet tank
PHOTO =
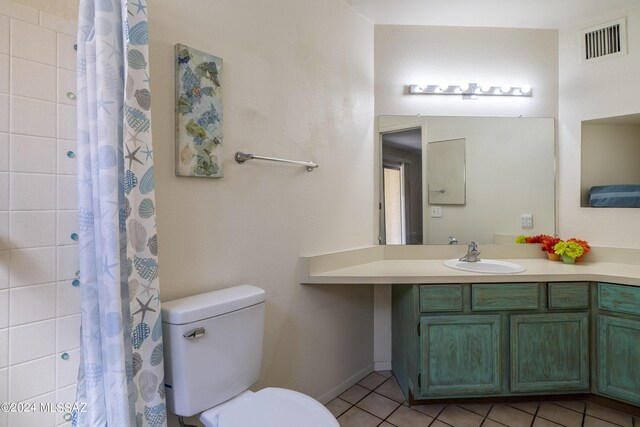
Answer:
(212, 347)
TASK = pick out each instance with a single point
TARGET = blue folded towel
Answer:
(615, 196)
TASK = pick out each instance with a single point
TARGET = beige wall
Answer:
(67, 9)
(590, 91)
(298, 83)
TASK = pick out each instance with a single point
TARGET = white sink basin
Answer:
(489, 266)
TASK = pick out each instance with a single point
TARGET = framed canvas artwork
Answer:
(198, 113)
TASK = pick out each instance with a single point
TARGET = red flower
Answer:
(548, 243)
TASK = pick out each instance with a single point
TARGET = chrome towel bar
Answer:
(243, 157)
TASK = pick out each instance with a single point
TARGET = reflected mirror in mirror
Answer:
(505, 169)
(609, 157)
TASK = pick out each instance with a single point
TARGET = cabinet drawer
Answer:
(434, 298)
(620, 298)
(505, 296)
(569, 295)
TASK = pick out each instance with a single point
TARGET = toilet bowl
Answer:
(213, 352)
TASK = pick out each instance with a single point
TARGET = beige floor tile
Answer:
(574, 405)
(510, 416)
(459, 417)
(385, 424)
(432, 410)
(438, 423)
(479, 408)
(338, 406)
(559, 414)
(530, 407)
(354, 394)
(372, 381)
(356, 417)
(610, 415)
(378, 405)
(391, 389)
(407, 417)
(490, 423)
(541, 422)
(596, 422)
(386, 374)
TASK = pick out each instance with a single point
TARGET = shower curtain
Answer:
(121, 376)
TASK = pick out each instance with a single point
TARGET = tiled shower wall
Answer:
(39, 304)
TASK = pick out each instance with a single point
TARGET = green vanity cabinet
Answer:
(618, 347)
(549, 352)
(459, 355)
(491, 339)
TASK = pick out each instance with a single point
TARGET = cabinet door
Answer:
(619, 358)
(549, 352)
(459, 355)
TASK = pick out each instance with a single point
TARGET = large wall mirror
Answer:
(460, 179)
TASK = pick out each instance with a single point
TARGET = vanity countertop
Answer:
(401, 265)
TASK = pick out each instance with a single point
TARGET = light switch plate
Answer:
(526, 220)
(436, 211)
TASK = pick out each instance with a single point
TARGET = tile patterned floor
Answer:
(378, 401)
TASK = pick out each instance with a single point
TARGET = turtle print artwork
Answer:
(198, 113)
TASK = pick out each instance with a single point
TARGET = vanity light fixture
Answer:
(471, 90)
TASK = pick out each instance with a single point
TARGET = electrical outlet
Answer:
(436, 211)
(526, 220)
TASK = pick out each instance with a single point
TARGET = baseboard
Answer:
(345, 385)
(381, 366)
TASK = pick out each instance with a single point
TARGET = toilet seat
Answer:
(277, 407)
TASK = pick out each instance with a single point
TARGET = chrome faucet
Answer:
(453, 240)
(472, 253)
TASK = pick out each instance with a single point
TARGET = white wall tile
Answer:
(4, 309)
(32, 304)
(33, 192)
(68, 333)
(55, 23)
(31, 229)
(31, 379)
(4, 385)
(4, 191)
(67, 165)
(65, 395)
(68, 298)
(4, 270)
(31, 419)
(4, 113)
(67, 262)
(66, 83)
(4, 349)
(67, 370)
(32, 266)
(66, 53)
(33, 117)
(32, 42)
(33, 80)
(4, 73)
(32, 341)
(67, 225)
(4, 152)
(33, 154)
(18, 11)
(4, 34)
(67, 192)
(67, 122)
(5, 238)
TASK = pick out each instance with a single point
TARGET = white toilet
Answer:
(213, 351)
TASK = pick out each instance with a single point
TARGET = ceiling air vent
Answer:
(604, 40)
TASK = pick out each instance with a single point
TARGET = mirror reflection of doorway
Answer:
(402, 184)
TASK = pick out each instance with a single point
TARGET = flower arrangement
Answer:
(585, 247)
(549, 244)
(569, 251)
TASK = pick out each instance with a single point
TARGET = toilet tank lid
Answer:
(215, 303)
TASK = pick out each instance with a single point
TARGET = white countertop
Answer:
(376, 265)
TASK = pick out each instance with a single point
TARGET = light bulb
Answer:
(486, 88)
(505, 89)
(464, 87)
(525, 89)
